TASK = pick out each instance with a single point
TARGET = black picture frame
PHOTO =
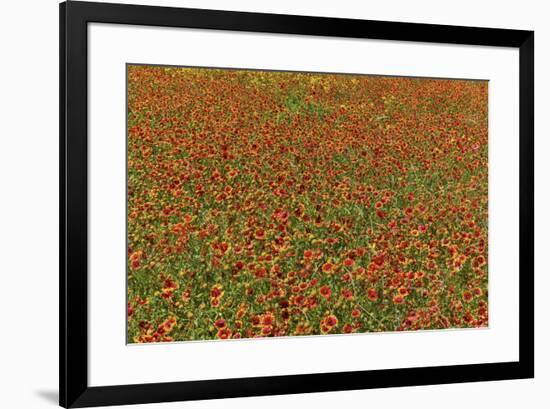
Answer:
(73, 378)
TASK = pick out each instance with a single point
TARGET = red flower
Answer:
(327, 267)
(372, 294)
(259, 234)
(398, 299)
(325, 291)
(331, 321)
(224, 333)
(347, 294)
(379, 259)
(348, 262)
(267, 319)
(216, 291)
(467, 296)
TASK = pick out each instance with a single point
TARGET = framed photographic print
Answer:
(256, 204)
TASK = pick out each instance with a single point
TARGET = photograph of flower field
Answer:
(265, 204)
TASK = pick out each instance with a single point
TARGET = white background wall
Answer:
(29, 202)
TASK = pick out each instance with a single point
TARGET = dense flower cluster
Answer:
(274, 204)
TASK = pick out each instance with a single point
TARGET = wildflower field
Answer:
(266, 204)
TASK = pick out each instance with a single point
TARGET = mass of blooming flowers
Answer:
(264, 204)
